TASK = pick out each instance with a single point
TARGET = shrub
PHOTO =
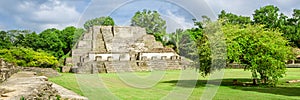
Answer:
(27, 57)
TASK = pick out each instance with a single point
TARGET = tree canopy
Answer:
(152, 21)
(264, 51)
(234, 19)
(105, 21)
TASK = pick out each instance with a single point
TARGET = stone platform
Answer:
(28, 86)
(108, 49)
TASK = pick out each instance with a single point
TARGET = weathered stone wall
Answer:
(118, 65)
(111, 49)
(28, 86)
(48, 72)
(6, 70)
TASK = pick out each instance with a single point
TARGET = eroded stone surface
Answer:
(106, 49)
(6, 70)
(31, 87)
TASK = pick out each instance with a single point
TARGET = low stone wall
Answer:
(7, 70)
(48, 72)
(129, 66)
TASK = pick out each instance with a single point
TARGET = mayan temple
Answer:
(107, 49)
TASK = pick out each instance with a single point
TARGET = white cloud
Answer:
(247, 7)
(39, 15)
(175, 22)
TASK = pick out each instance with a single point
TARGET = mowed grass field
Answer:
(112, 86)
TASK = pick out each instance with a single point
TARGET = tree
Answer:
(183, 43)
(66, 37)
(291, 27)
(211, 47)
(51, 42)
(31, 40)
(234, 19)
(263, 51)
(4, 40)
(152, 21)
(267, 15)
(105, 21)
(69, 36)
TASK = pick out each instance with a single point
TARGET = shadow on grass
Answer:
(243, 84)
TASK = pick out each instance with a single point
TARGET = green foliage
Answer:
(152, 21)
(183, 44)
(211, 48)
(105, 21)
(29, 40)
(69, 36)
(290, 27)
(234, 19)
(263, 51)
(27, 57)
(52, 42)
(4, 40)
(267, 15)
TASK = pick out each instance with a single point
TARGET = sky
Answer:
(38, 15)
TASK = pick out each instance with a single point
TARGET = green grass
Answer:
(111, 86)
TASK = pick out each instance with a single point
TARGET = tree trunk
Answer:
(263, 78)
(254, 81)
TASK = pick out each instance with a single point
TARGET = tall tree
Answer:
(263, 51)
(66, 37)
(183, 43)
(152, 21)
(267, 15)
(31, 40)
(4, 40)
(105, 21)
(51, 42)
(234, 19)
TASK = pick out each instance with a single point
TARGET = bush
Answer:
(27, 57)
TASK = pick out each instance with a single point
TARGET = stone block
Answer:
(98, 58)
(144, 58)
(109, 58)
(174, 57)
(66, 69)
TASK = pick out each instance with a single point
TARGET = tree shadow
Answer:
(243, 84)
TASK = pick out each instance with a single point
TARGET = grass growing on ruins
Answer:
(287, 91)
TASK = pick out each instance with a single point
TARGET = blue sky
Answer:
(37, 15)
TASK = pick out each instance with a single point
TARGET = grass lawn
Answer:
(112, 86)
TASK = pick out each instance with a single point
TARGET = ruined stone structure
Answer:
(7, 70)
(25, 85)
(106, 49)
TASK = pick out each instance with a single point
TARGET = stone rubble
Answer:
(28, 86)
